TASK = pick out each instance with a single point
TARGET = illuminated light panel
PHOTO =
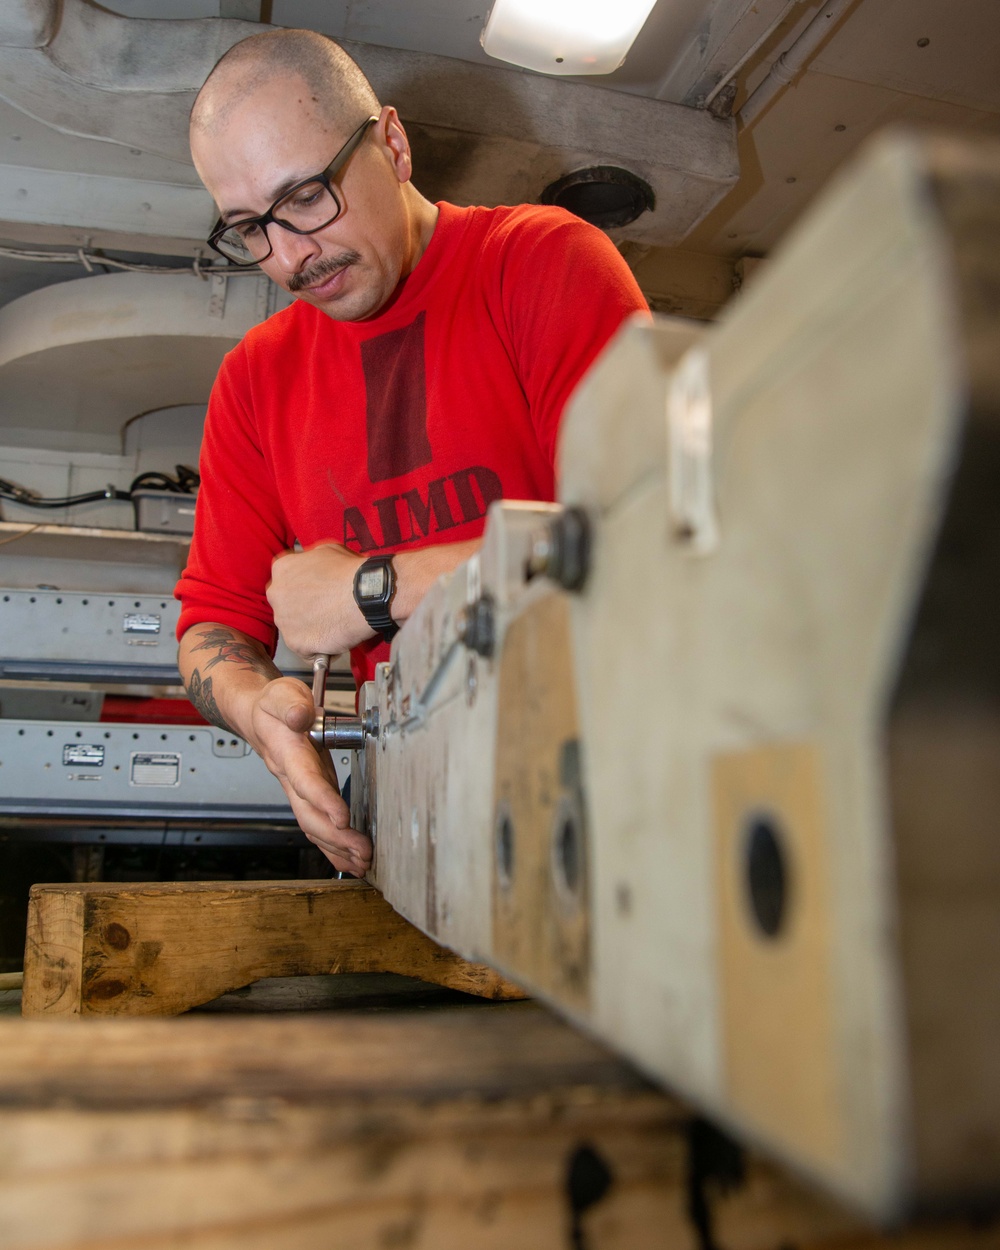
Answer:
(564, 36)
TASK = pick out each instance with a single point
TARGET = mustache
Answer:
(325, 268)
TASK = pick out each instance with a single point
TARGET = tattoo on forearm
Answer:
(232, 650)
(199, 691)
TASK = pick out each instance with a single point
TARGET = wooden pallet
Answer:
(488, 1126)
(159, 949)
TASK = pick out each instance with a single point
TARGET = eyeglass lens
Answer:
(308, 208)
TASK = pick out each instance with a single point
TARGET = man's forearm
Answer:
(222, 670)
(311, 593)
(417, 571)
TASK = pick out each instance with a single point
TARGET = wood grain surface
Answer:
(487, 1127)
(162, 948)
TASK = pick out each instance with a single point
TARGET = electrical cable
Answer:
(185, 483)
(13, 538)
(88, 257)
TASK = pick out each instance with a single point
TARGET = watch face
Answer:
(373, 583)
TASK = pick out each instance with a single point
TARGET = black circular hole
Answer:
(766, 875)
(568, 852)
(605, 195)
(505, 846)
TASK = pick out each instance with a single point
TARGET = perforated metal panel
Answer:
(85, 769)
(111, 637)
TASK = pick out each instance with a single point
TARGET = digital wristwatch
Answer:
(374, 587)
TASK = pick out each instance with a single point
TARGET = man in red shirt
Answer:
(420, 374)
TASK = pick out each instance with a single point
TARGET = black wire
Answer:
(185, 483)
(17, 494)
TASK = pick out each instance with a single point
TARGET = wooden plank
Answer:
(162, 948)
(432, 1131)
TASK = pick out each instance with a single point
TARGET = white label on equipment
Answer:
(141, 623)
(155, 768)
(689, 441)
(83, 755)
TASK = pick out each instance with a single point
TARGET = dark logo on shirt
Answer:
(413, 514)
(398, 444)
(396, 402)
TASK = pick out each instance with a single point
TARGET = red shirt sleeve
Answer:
(565, 292)
(240, 523)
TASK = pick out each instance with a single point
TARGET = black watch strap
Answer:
(377, 611)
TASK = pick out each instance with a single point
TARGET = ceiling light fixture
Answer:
(564, 36)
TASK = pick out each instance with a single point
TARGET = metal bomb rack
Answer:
(87, 616)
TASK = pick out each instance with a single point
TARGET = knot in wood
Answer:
(117, 936)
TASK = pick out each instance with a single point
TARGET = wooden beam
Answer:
(160, 949)
(681, 282)
(442, 1130)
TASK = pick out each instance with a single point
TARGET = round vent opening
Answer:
(604, 195)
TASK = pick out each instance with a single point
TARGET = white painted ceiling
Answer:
(913, 61)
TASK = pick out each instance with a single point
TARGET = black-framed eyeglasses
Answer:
(305, 208)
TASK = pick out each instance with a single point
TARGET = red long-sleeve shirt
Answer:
(398, 431)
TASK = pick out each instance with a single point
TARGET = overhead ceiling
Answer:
(914, 61)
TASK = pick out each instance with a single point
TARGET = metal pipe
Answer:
(792, 60)
(345, 733)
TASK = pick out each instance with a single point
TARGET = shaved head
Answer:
(338, 90)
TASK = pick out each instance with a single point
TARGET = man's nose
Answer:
(293, 252)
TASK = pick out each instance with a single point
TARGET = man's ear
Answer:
(392, 137)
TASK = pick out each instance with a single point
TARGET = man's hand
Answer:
(232, 682)
(312, 596)
(279, 717)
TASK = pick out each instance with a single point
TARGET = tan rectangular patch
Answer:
(779, 1049)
